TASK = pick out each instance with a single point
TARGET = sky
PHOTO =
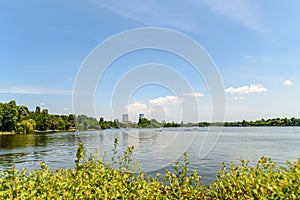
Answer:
(255, 46)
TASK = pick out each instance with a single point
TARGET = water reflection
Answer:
(154, 149)
(57, 150)
(16, 141)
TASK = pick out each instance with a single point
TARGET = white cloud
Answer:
(287, 83)
(137, 107)
(253, 88)
(194, 94)
(238, 98)
(34, 90)
(166, 100)
(158, 112)
(42, 104)
(256, 58)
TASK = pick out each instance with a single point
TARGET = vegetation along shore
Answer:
(19, 119)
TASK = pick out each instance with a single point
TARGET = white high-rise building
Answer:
(125, 118)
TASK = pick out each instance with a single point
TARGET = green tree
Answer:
(71, 120)
(9, 116)
(143, 122)
(1, 114)
(84, 123)
(37, 110)
(62, 125)
(23, 112)
(154, 124)
(53, 124)
(26, 126)
(116, 124)
(42, 119)
(102, 123)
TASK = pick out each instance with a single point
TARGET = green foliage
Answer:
(23, 112)
(154, 124)
(60, 122)
(269, 122)
(172, 124)
(42, 120)
(9, 112)
(143, 122)
(265, 181)
(85, 123)
(203, 124)
(26, 126)
(14, 118)
(94, 178)
(1, 115)
(108, 124)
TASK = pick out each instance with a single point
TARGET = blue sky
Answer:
(254, 44)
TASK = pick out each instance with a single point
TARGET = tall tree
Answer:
(22, 112)
(9, 116)
(42, 120)
(1, 114)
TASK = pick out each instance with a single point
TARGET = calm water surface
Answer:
(155, 149)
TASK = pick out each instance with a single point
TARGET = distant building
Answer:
(141, 116)
(125, 118)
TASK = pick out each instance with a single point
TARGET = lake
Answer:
(156, 149)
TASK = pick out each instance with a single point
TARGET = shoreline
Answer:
(38, 132)
(7, 133)
(74, 130)
(55, 131)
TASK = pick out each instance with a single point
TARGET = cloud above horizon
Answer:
(136, 107)
(166, 100)
(253, 88)
(287, 83)
(34, 91)
(238, 98)
(194, 94)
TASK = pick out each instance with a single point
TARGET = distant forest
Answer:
(16, 118)
(267, 122)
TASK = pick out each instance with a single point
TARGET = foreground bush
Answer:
(93, 178)
(265, 181)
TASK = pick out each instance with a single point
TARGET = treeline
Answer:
(153, 123)
(19, 119)
(15, 118)
(90, 123)
(269, 122)
(262, 122)
(145, 123)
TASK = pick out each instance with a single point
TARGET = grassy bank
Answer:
(37, 131)
(7, 133)
(92, 178)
